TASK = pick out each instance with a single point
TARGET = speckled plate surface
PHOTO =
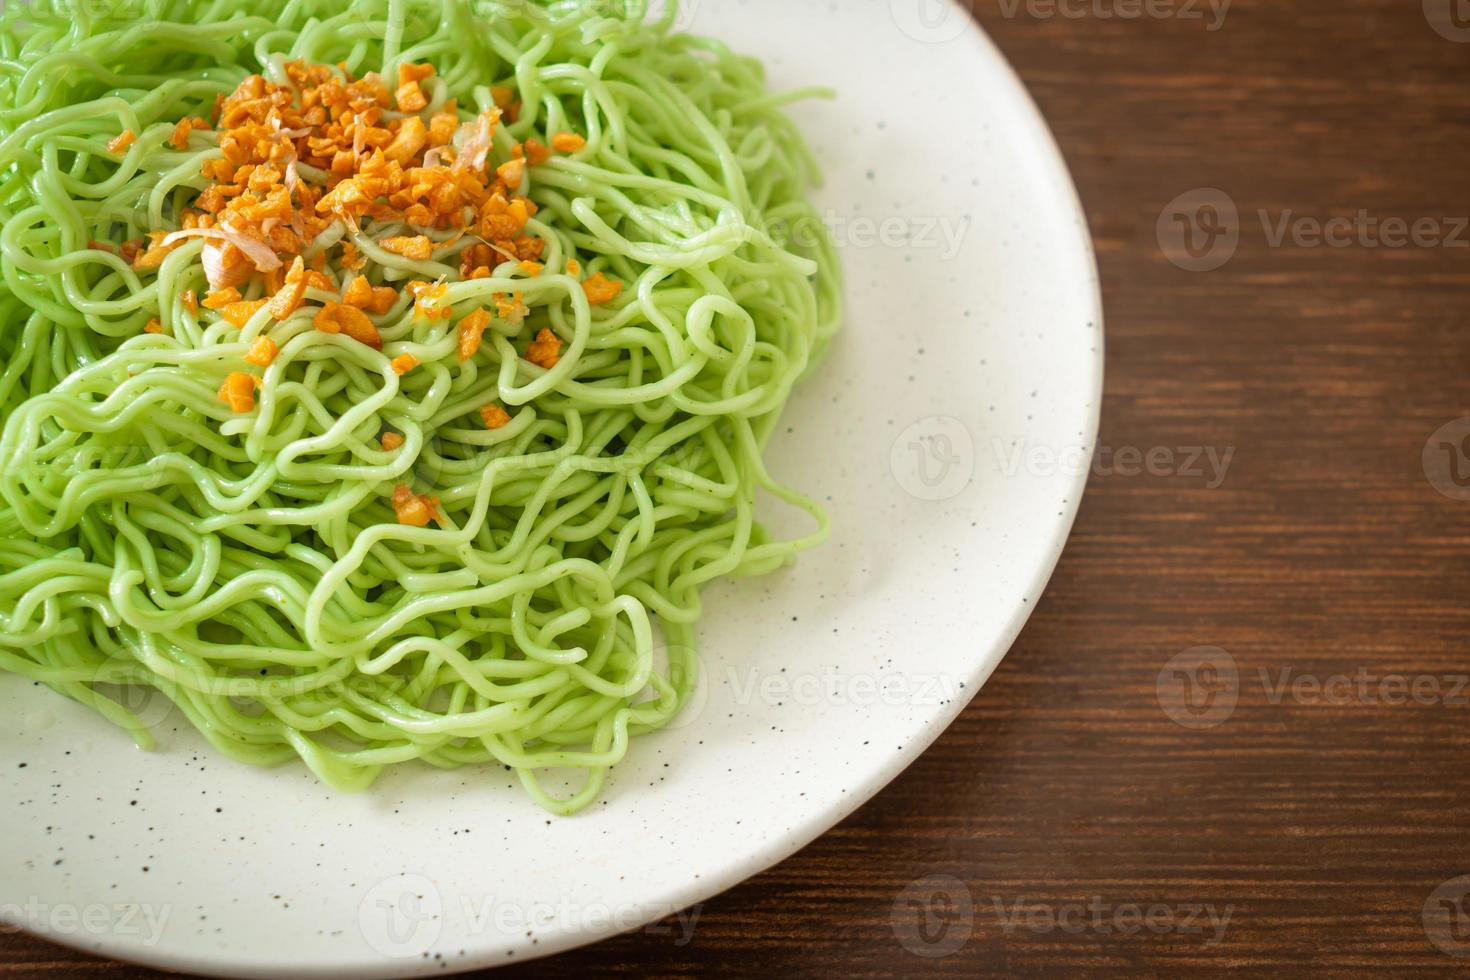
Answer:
(949, 433)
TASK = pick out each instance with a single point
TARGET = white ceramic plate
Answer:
(949, 433)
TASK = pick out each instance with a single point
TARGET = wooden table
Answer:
(1321, 823)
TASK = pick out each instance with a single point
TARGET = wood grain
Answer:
(1323, 828)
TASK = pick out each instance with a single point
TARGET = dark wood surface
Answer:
(1323, 828)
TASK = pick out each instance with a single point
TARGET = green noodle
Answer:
(250, 567)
